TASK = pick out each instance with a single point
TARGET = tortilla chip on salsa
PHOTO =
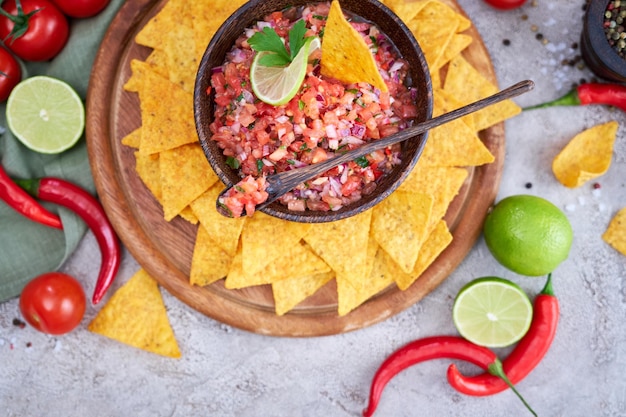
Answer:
(345, 55)
(136, 315)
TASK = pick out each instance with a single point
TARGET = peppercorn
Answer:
(614, 26)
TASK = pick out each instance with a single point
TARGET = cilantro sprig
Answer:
(269, 41)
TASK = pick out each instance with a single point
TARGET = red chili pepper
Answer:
(89, 209)
(437, 347)
(524, 357)
(590, 93)
(25, 204)
(505, 4)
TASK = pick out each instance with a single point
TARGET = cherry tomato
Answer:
(53, 303)
(81, 8)
(10, 73)
(505, 4)
(39, 36)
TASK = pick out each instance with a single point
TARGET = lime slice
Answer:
(278, 85)
(45, 114)
(492, 312)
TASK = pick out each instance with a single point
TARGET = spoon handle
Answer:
(290, 179)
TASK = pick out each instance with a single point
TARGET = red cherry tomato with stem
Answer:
(10, 73)
(53, 303)
(35, 30)
(505, 4)
(81, 8)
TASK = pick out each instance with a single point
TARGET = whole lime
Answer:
(528, 234)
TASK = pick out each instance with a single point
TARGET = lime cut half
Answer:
(492, 312)
(45, 114)
(278, 85)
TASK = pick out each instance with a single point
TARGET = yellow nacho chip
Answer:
(166, 114)
(457, 44)
(406, 9)
(180, 50)
(296, 260)
(223, 230)
(185, 175)
(587, 156)
(464, 82)
(399, 225)
(207, 17)
(350, 295)
(290, 292)
(341, 244)
(433, 27)
(155, 32)
(149, 170)
(437, 241)
(264, 239)
(345, 55)
(615, 234)
(133, 139)
(135, 315)
(454, 143)
(210, 262)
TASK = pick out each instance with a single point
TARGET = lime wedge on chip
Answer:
(492, 312)
(278, 85)
(45, 114)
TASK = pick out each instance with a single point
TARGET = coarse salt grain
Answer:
(581, 200)
(596, 192)
(570, 207)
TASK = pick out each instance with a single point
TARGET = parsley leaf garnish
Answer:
(268, 40)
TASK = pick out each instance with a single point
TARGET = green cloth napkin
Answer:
(28, 249)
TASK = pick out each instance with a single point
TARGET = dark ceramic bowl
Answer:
(598, 54)
(371, 10)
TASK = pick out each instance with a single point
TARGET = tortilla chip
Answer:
(181, 51)
(350, 296)
(265, 239)
(587, 156)
(615, 234)
(290, 292)
(406, 9)
(155, 32)
(207, 17)
(133, 139)
(185, 175)
(296, 260)
(210, 262)
(454, 143)
(135, 315)
(433, 27)
(437, 241)
(345, 55)
(340, 244)
(188, 214)
(223, 230)
(149, 170)
(167, 114)
(465, 83)
(457, 44)
(441, 183)
(399, 225)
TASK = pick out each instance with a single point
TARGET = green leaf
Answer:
(296, 37)
(273, 60)
(268, 40)
(232, 162)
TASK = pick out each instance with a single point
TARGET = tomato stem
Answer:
(20, 21)
(496, 369)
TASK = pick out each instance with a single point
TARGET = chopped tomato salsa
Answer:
(324, 119)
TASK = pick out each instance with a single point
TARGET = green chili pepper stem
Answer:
(547, 289)
(569, 99)
(496, 369)
(31, 186)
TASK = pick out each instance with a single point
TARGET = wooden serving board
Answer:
(164, 249)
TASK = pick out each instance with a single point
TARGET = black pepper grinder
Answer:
(603, 39)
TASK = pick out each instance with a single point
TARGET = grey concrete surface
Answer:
(228, 372)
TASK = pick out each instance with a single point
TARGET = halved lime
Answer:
(45, 114)
(278, 85)
(492, 311)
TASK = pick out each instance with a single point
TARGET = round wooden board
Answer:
(164, 249)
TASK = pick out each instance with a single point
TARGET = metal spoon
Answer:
(283, 182)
